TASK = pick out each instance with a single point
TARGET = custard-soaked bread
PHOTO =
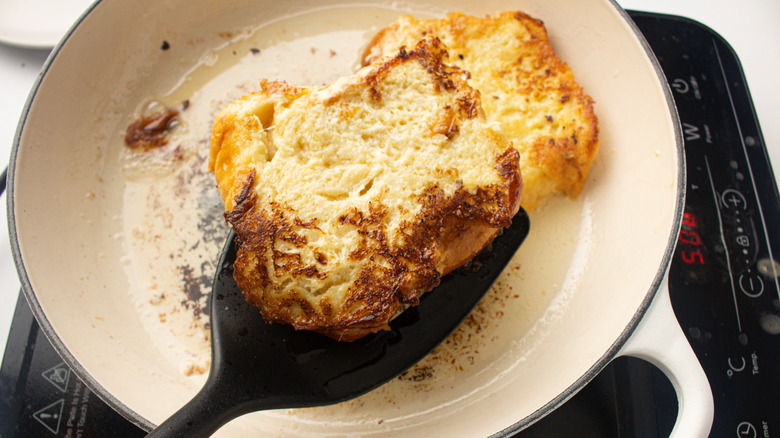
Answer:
(525, 88)
(353, 199)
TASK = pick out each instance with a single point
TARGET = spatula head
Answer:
(275, 366)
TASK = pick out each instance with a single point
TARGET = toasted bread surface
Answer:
(353, 199)
(525, 88)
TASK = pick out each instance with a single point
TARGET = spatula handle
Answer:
(209, 410)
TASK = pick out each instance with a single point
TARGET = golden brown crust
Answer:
(395, 233)
(525, 87)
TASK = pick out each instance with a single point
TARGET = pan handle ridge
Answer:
(659, 340)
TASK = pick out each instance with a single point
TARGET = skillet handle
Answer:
(659, 340)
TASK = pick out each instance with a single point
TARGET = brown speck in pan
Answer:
(193, 290)
(165, 45)
(418, 373)
(151, 131)
(178, 153)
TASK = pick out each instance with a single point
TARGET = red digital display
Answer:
(689, 241)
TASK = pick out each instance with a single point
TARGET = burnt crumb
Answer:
(193, 290)
(178, 153)
(474, 323)
(460, 55)
(150, 132)
(254, 51)
(185, 105)
(165, 45)
(549, 118)
(418, 373)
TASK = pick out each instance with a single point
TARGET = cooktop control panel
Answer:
(724, 275)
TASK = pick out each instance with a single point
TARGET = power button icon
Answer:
(751, 285)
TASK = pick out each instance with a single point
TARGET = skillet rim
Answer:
(569, 392)
(29, 293)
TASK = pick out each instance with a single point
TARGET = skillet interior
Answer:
(572, 294)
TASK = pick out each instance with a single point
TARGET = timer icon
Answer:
(746, 429)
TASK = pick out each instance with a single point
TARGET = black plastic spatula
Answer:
(257, 366)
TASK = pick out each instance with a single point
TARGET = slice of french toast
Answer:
(526, 89)
(353, 199)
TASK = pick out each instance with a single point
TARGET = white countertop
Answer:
(750, 26)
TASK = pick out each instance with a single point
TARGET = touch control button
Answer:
(768, 268)
(736, 366)
(745, 429)
(733, 199)
(770, 323)
(751, 285)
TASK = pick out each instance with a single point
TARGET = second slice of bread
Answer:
(352, 200)
(526, 89)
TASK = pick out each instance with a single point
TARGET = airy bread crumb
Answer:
(526, 89)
